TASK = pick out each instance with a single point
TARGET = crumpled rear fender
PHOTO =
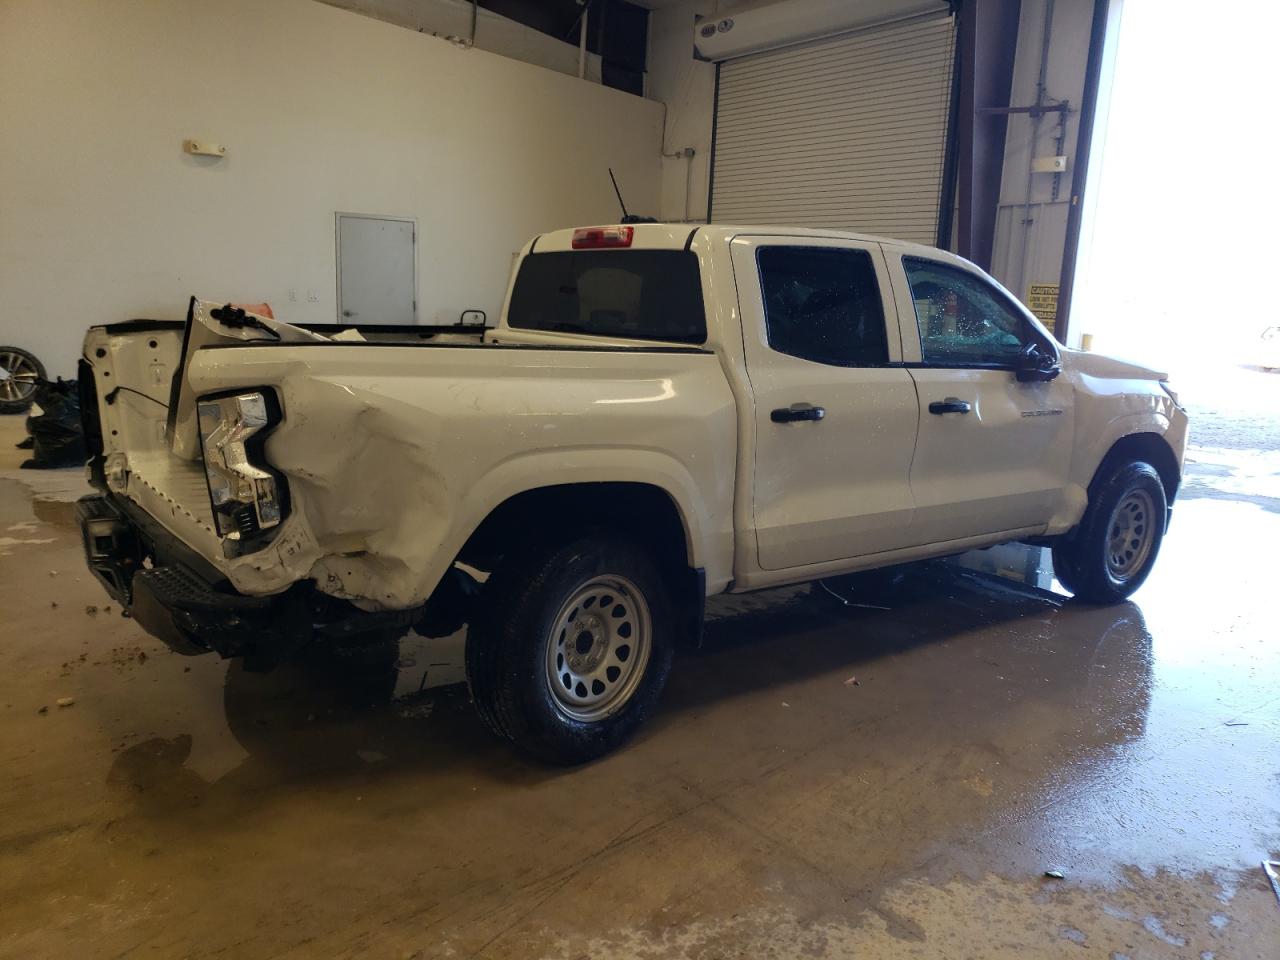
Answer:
(391, 470)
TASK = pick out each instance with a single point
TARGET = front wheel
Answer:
(1111, 552)
(570, 648)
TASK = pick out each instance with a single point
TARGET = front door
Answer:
(376, 270)
(835, 411)
(993, 453)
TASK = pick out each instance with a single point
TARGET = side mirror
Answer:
(1036, 365)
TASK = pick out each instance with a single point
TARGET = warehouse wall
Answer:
(103, 217)
(687, 88)
(1031, 222)
(1032, 218)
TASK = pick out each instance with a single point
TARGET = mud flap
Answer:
(697, 608)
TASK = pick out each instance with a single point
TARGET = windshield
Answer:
(637, 294)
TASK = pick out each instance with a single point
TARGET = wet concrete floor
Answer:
(181, 807)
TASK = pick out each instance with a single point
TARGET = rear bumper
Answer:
(180, 598)
(176, 596)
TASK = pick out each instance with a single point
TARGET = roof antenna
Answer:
(627, 217)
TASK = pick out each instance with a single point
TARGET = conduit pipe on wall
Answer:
(1037, 115)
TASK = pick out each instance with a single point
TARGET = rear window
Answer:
(639, 294)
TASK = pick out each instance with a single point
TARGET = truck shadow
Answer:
(341, 719)
(755, 642)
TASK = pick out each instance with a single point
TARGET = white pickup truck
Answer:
(663, 413)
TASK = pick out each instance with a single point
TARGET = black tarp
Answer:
(57, 439)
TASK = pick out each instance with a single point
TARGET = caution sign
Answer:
(1042, 299)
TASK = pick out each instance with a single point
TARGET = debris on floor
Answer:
(1055, 874)
(66, 701)
(1155, 926)
(852, 682)
(1272, 869)
(416, 711)
(850, 603)
(1073, 934)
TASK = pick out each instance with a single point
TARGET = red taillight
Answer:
(595, 237)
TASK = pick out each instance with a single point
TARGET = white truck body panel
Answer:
(396, 452)
(819, 502)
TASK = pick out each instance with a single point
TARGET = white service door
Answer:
(835, 411)
(376, 270)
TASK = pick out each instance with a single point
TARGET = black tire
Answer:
(1087, 561)
(1064, 566)
(510, 635)
(18, 391)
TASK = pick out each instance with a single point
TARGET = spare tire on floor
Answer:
(20, 371)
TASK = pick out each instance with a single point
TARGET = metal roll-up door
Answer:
(845, 132)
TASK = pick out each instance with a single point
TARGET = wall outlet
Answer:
(313, 297)
(293, 295)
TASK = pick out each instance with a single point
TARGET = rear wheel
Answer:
(570, 648)
(19, 373)
(1111, 552)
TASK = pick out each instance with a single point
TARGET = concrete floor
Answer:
(772, 808)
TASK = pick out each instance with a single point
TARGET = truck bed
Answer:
(394, 448)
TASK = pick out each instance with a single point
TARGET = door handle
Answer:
(797, 411)
(950, 405)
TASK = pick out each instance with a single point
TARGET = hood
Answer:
(1101, 365)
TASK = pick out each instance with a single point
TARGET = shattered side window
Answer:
(823, 304)
(963, 321)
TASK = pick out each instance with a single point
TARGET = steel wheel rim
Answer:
(18, 376)
(1130, 534)
(598, 648)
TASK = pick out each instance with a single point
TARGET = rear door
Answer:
(835, 411)
(992, 453)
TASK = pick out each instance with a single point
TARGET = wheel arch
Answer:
(645, 511)
(1148, 447)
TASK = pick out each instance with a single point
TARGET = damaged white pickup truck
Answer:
(662, 414)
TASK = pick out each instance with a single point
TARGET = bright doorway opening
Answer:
(1182, 264)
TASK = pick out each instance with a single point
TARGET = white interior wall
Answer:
(103, 217)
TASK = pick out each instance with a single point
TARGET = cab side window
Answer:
(823, 304)
(964, 321)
